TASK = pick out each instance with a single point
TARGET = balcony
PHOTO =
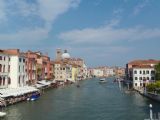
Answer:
(3, 86)
(4, 73)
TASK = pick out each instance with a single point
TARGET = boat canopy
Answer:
(8, 92)
(44, 82)
(39, 85)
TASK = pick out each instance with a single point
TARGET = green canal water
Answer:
(91, 101)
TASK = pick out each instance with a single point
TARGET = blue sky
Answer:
(103, 32)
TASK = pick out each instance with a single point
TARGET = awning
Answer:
(8, 92)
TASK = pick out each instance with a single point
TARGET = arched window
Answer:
(140, 72)
(135, 72)
(0, 80)
(19, 80)
(152, 72)
(9, 81)
(0, 68)
(3, 68)
(4, 80)
(23, 79)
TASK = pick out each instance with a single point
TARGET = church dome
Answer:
(65, 55)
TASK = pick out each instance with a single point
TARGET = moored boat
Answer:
(2, 114)
(34, 97)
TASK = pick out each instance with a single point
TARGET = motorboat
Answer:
(102, 80)
(34, 97)
(2, 114)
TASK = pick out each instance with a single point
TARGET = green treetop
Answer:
(157, 69)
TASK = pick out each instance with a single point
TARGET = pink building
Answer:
(38, 67)
(31, 64)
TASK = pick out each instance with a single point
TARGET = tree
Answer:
(157, 69)
(152, 87)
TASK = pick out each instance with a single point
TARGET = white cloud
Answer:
(108, 35)
(27, 36)
(140, 7)
(46, 10)
(49, 10)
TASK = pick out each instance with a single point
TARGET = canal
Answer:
(91, 101)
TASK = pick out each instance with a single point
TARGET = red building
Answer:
(39, 67)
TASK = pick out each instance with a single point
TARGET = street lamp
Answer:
(151, 113)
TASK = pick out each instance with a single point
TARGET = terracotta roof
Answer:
(143, 66)
(12, 52)
(138, 62)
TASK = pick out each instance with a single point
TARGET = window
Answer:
(140, 78)
(19, 80)
(19, 59)
(144, 72)
(3, 80)
(152, 72)
(63, 68)
(147, 78)
(0, 80)
(4, 58)
(19, 68)
(135, 72)
(0, 57)
(9, 59)
(9, 68)
(3, 68)
(23, 60)
(144, 78)
(147, 72)
(0, 68)
(9, 81)
(140, 72)
(136, 78)
(135, 84)
(152, 78)
(23, 79)
(23, 68)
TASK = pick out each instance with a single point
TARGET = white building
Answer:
(85, 71)
(142, 75)
(98, 72)
(110, 72)
(4, 68)
(62, 71)
(12, 69)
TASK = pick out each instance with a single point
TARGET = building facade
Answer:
(4, 69)
(13, 69)
(141, 72)
(143, 75)
(98, 72)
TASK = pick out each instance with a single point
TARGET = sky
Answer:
(102, 32)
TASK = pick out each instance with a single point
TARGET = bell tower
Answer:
(58, 54)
